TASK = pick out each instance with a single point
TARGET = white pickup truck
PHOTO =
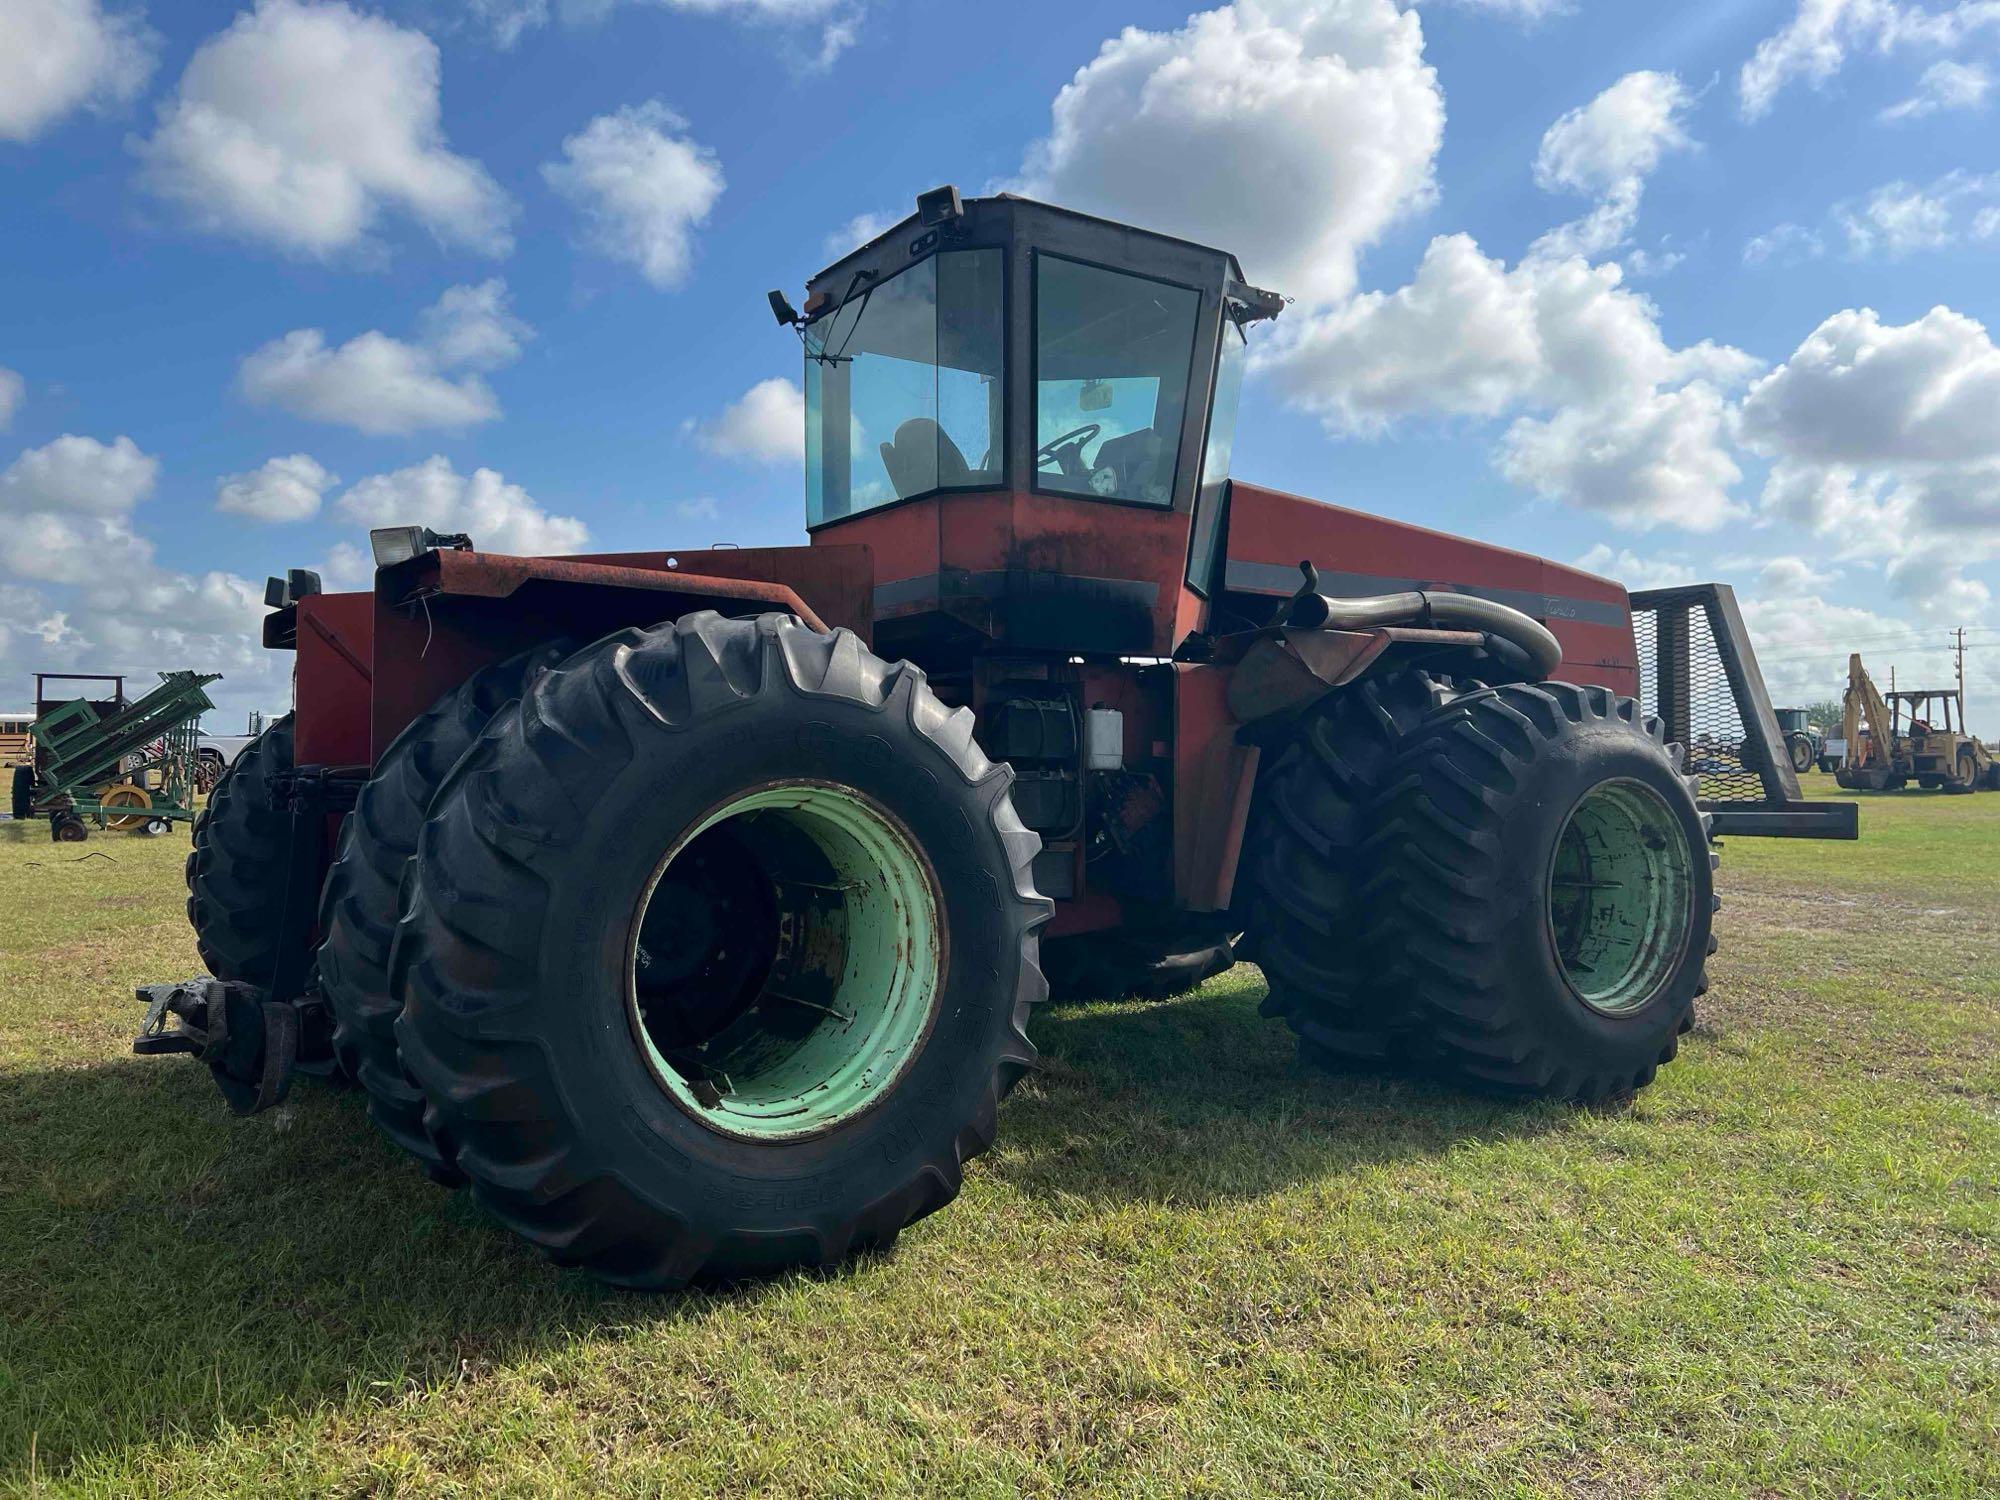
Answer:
(216, 751)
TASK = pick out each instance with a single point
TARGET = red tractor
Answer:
(692, 905)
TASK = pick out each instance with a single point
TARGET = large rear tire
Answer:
(1303, 868)
(1545, 900)
(1801, 752)
(236, 870)
(24, 793)
(358, 905)
(717, 952)
(1967, 778)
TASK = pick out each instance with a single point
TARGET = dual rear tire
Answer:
(1512, 888)
(713, 951)
(360, 900)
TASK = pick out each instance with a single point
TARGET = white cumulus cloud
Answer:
(1607, 415)
(1885, 441)
(1617, 138)
(1899, 218)
(303, 124)
(66, 526)
(79, 476)
(834, 23)
(1945, 85)
(57, 56)
(766, 423)
(1659, 459)
(379, 384)
(1606, 150)
(1861, 391)
(1625, 566)
(1784, 245)
(643, 187)
(1889, 222)
(280, 489)
(1815, 43)
(1293, 132)
(498, 516)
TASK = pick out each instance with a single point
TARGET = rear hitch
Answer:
(253, 1045)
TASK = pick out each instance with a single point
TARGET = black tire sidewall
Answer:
(1550, 788)
(635, 1128)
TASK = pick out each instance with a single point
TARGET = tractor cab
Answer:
(1026, 414)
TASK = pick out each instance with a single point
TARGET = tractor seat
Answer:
(1134, 460)
(922, 457)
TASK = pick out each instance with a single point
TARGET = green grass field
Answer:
(1189, 1267)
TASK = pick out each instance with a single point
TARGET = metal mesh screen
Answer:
(1682, 680)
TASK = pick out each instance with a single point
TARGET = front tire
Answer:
(717, 952)
(1545, 893)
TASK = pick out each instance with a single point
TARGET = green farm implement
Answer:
(130, 767)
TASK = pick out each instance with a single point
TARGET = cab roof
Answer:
(1008, 217)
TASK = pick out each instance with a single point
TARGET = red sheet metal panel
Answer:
(443, 616)
(332, 679)
(1356, 553)
(1213, 778)
(976, 557)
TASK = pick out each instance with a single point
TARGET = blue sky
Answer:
(1649, 287)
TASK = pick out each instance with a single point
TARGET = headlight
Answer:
(395, 544)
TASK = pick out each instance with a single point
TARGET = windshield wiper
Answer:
(839, 355)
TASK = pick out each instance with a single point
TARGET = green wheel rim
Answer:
(850, 961)
(1621, 896)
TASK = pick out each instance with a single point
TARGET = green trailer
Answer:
(130, 767)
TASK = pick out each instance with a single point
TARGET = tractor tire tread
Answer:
(1303, 864)
(359, 902)
(464, 957)
(1433, 899)
(236, 870)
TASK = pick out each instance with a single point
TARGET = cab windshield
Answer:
(1113, 353)
(905, 387)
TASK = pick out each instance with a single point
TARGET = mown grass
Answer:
(1188, 1268)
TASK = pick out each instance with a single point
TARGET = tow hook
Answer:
(250, 1043)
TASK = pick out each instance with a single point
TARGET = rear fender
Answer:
(441, 616)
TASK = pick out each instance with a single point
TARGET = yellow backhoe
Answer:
(1935, 750)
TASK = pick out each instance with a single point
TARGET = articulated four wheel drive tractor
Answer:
(692, 906)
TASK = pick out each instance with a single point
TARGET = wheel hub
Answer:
(785, 960)
(1620, 896)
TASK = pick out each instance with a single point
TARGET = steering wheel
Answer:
(1066, 452)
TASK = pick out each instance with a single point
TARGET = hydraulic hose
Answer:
(1313, 610)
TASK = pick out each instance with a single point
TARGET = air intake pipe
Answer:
(1311, 610)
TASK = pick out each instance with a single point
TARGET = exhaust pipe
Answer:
(1311, 610)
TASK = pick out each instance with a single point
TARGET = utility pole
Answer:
(1961, 681)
